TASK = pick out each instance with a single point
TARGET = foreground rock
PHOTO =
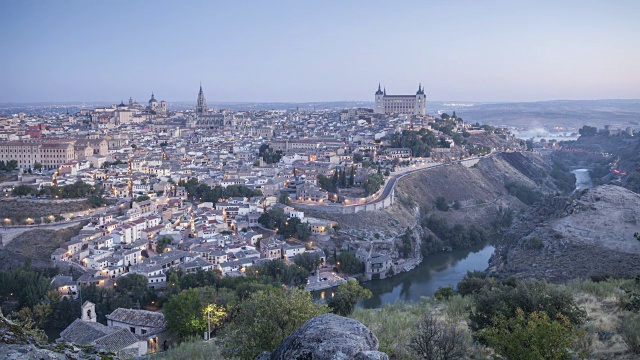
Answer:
(328, 337)
(588, 234)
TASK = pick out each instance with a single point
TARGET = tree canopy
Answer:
(266, 318)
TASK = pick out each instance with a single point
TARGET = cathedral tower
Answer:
(201, 108)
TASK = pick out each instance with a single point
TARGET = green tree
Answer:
(534, 336)
(37, 166)
(162, 243)
(133, 286)
(347, 296)
(588, 131)
(349, 263)
(23, 190)
(189, 312)
(442, 204)
(11, 165)
(142, 198)
(372, 183)
(266, 318)
(308, 260)
(529, 296)
(444, 293)
(284, 198)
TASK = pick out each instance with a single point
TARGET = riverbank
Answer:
(435, 271)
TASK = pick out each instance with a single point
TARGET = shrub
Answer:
(534, 243)
(435, 339)
(266, 319)
(346, 297)
(473, 285)
(630, 332)
(531, 337)
(441, 204)
(444, 293)
(394, 325)
(529, 296)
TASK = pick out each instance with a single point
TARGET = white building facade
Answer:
(401, 104)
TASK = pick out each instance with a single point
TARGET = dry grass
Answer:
(18, 210)
(193, 350)
(602, 327)
(39, 244)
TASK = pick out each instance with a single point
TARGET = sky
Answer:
(303, 51)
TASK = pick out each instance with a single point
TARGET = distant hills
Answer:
(567, 113)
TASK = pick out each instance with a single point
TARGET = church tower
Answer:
(421, 102)
(153, 103)
(379, 105)
(201, 108)
(89, 311)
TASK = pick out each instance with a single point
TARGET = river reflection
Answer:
(583, 179)
(435, 271)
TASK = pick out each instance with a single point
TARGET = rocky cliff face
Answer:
(328, 337)
(589, 233)
(479, 189)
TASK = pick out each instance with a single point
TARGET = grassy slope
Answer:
(15, 209)
(39, 244)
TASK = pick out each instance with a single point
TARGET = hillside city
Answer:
(288, 180)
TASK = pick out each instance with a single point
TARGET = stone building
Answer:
(401, 104)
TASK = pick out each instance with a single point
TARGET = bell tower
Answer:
(89, 311)
(379, 105)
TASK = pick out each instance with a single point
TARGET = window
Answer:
(143, 331)
(132, 329)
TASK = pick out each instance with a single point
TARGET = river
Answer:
(435, 271)
(583, 179)
(438, 270)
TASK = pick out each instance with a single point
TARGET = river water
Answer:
(435, 271)
(583, 179)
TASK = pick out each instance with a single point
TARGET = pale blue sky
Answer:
(318, 51)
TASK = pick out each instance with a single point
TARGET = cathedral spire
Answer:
(379, 92)
(201, 107)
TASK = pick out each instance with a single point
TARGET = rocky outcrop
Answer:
(328, 337)
(562, 238)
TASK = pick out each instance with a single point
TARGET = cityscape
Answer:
(243, 209)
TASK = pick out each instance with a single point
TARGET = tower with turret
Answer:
(379, 106)
(201, 107)
(421, 101)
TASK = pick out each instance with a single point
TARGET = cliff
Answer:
(480, 190)
(562, 238)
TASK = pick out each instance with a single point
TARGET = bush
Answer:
(266, 319)
(529, 296)
(444, 293)
(346, 297)
(473, 285)
(534, 243)
(435, 339)
(523, 193)
(531, 337)
(441, 204)
(630, 332)
(394, 325)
